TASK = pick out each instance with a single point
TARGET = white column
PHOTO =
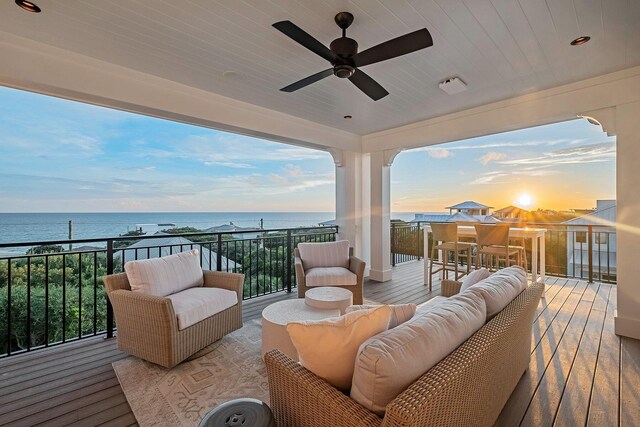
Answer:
(627, 130)
(380, 193)
(349, 198)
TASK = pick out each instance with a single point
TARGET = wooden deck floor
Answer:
(581, 373)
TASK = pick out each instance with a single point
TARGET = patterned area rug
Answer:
(181, 396)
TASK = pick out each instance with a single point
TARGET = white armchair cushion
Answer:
(166, 275)
(327, 254)
(330, 276)
(389, 362)
(196, 304)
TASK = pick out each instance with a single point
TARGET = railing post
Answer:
(393, 244)
(289, 260)
(590, 251)
(219, 253)
(110, 271)
(418, 242)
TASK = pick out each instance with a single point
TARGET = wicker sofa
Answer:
(147, 325)
(467, 388)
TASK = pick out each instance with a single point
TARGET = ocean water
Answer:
(31, 227)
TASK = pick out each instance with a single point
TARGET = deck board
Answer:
(580, 373)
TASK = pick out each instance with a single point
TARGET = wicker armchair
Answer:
(356, 266)
(148, 328)
(468, 387)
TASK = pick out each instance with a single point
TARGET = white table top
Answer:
(295, 310)
(528, 232)
(328, 294)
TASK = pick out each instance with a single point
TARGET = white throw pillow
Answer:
(326, 254)
(500, 288)
(390, 362)
(400, 313)
(328, 347)
(474, 277)
(167, 275)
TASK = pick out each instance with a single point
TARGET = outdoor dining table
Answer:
(537, 236)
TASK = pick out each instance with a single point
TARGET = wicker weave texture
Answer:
(356, 266)
(467, 388)
(148, 328)
(449, 288)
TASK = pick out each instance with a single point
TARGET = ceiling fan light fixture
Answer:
(28, 6)
(580, 40)
(343, 71)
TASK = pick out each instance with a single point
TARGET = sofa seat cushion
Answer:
(391, 361)
(330, 276)
(326, 254)
(167, 275)
(328, 347)
(500, 288)
(196, 304)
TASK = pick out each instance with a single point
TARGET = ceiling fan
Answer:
(344, 56)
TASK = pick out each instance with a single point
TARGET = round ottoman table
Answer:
(328, 297)
(274, 323)
(239, 412)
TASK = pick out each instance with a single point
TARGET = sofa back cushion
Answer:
(474, 277)
(327, 254)
(391, 361)
(167, 275)
(328, 347)
(500, 288)
(400, 313)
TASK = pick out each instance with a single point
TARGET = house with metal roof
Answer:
(163, 246)
(595, 230)
(471, 208)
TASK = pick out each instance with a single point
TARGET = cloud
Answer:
(439, 153)
(591, 153)
(506, 144)
(491, 156)
(230, 151)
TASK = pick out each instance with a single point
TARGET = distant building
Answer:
(470, 208)
(466, 212)
(330, 223)
(155, 248)
(512, 214)
(243, 232)
(604, 255)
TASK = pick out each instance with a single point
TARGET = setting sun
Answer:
(524, 200)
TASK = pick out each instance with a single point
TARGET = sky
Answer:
(63, 156)
(560, 166)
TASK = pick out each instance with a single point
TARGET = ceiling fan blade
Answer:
(393, 48)
(305, 39)
(307, 80)
(368, 85)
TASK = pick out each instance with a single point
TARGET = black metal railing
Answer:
(573, 251)
(53, 292)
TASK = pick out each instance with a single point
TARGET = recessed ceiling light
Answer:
(580, 40)
(348, 117)
(28, 6)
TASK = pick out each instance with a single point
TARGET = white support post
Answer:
(349, 210)
(380, 189)
(627, 130)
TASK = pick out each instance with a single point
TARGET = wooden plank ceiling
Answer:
(500, 48)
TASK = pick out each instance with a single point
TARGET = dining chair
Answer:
(445, 241)
(493, 245)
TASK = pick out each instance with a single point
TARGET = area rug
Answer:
(181, 396)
